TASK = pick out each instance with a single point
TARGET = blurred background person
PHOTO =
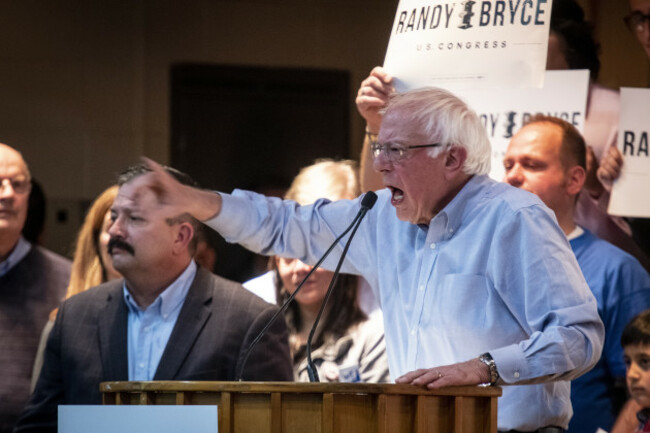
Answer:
(638, 22)
(32, 283)
(348, 345)
(572, 46)
(91, 265)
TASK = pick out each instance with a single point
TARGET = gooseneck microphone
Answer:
(367, 203)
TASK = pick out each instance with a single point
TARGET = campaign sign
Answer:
(504, 111)
(630, 191)
(137, 419)
(457, 44)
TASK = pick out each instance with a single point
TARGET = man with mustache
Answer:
(32, 283)
(166, 320)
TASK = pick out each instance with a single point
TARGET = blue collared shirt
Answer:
(492, 272)
(21, 249)
(149, 330)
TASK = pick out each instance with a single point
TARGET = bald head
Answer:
(15, 185)
(8, 153)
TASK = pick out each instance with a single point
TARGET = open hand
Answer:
(176, 198)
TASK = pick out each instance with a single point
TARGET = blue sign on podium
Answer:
(137, 419)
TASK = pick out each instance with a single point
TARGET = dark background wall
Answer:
(85, 86)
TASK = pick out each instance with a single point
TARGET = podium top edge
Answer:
(294, 387)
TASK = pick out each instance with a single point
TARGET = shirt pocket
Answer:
(462, 302)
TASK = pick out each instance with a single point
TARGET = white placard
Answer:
(504, 111)
(460, 44)
(137, 419)
(631, 192)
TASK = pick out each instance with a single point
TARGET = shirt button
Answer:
(421, 288)
(141, 365)
(516, 375)
(433, 246)
(146, 329)
(412, 331)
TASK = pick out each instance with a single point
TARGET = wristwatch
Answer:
(486, 359)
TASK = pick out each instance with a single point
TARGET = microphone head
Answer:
(368, 200)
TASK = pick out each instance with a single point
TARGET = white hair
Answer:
(446, 119)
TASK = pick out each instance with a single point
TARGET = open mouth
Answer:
(397, 195)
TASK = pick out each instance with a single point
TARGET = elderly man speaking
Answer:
(476, 280)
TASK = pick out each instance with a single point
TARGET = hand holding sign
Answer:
(373, 96)
(630, 192)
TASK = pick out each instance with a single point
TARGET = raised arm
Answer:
(371, 99)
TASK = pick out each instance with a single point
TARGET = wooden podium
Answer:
(290, 407)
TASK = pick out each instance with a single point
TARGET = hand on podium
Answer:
(472, 372)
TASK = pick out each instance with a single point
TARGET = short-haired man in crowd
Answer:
(547, 157)
(476, 280)
(166, 320)
(32, 283)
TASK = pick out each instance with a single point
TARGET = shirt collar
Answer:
(19, 252)
(448, 220)
(576, 233)
(171, 298)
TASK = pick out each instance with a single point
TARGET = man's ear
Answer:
(575, 179)
(455, 160)
(184, 236)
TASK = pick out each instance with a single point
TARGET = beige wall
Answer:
(84, 85)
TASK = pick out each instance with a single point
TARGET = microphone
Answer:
(367, 203)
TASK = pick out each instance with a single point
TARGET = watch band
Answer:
(486, 359)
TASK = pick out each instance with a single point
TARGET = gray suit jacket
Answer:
(216, 325)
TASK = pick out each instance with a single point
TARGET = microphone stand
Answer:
(284, 306)
(311, 369)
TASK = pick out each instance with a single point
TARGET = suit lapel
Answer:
(113, 334)
(189, 325)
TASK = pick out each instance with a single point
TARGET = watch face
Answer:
(487, 360)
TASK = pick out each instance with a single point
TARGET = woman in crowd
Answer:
(347, 346)
(91, 265)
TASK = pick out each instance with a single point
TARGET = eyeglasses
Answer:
(20, 185)
(394, 152)
(636, 21)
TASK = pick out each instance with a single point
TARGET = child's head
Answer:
(636, 348)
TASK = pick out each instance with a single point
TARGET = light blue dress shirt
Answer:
(22, 248)
(491, 272)
(149, 329)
